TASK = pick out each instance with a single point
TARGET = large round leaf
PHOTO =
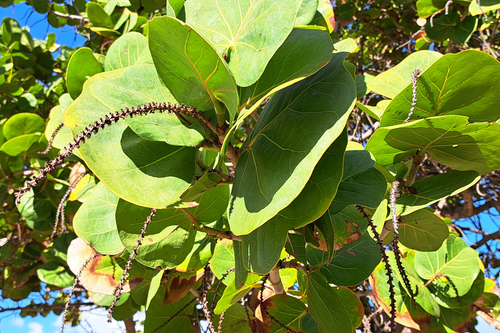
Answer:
(146, 173)
(21, 124)
(102, 274)
(449, 140)
(432, 189)
(95, 221)
(303, 53)
(55, 274)
(168, 240)
(456, 260)
(248, 32)
(128, 50)
(390, 83)
(422, 231)
(296, 128)
(193, 71)
(81, 66)
(158, 314)
(465, 84)
(170, 237)
(354, 263)
(326, 306)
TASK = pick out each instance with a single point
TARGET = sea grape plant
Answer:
(216, 153)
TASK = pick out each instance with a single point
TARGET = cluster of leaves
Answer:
(258, 205)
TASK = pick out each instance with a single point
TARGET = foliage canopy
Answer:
(287, 170)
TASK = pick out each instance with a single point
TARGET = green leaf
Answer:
(486, 6)
(169, 238)
(324, 16)
(306, 12)
(223, 260)
(98, 17)
(153, 287)
(55, 274)
(261, 249)
(22, 124)
(375, 112)
(362, 184)
(157, 314)
(428, 7)
(248, 32)
(449, 140)
(303, 53)
(275, 166)
(463, 32)
(232, 294)
(63, 137)
(81, 67)
(199, 256)
(167, 127)
(327, 307)
(454, 259)
(476, 291)
(390, 83)
(422, 231)
(95, 221)
(19, 144)
(117, 155)
(193, 71)
(432, 189)
(466, 83)
(128, 50)
(405, 309)
(235, 320)
(424, 297)
(442, 26)
(174, 7)
(286, 310)
(354, 263)
(106, 300)
(341, 229)
(240, 272)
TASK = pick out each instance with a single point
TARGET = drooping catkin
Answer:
(77, 279)
(119, 288)
(414, 78)
(108, 119)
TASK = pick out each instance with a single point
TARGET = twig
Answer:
(208, 315)
(52, 137)
(60, 208)
(211, 231)
(77, 278)
(119, 288)
(385, 259)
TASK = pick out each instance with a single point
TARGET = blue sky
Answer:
(95, 321)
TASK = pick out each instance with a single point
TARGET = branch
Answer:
(70, 17)
(47, 307)
(486, 238)
(274, 278)
(211, 231)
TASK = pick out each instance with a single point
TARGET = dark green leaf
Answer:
(188, 65)
(275, 166)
